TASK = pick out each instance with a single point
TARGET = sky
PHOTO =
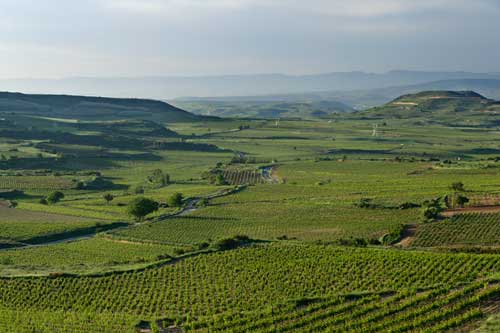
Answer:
(109, 38)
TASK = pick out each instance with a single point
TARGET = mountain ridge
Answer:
(170, 87)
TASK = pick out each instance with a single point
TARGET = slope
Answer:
(91, 108)
(450, 107)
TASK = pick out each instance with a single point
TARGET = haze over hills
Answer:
(170, 87)
(294, 107)
(354, 99)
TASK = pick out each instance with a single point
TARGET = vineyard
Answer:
(314, 259)
(462, 229)
(245, 279)
(64, 322)
(389, 312)
(306, 220)
(243, 177)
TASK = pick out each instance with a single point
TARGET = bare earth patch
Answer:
(484, 209)
(407, 236)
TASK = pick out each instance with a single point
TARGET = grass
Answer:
(21, 225)
(88, 255)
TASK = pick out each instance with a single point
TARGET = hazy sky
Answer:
(59, 38)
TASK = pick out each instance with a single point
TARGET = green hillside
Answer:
(90, 108)
(451, 107)
(263, 107)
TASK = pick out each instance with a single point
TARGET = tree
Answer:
(139, 190)
(457, 187)
(176, 200)
(55, 197)
(140, 207)
(432, 209)
(203, 202)
(108, 197)
(219, 179)
(159, 178)
(461, 200)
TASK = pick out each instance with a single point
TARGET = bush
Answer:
(219, 180)
(366, 203)
(55, 197)
(457, 187)
(408, 205)
(433, 209)
(203, 202)
(108, 197)
(175, 200)
(159, 178)
(203, 245)
(179, 251)
(232, 243)
(393, 236)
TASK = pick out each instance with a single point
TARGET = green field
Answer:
(312, 225)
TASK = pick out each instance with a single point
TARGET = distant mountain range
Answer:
(358, 99)
(233, 85)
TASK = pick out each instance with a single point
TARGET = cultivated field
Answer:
(169, 222)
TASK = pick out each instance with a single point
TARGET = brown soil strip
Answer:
(484, 209)
(407, 236)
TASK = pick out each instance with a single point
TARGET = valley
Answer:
(132, 215)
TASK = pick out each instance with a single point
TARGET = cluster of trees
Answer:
(215, 177)
(140, 207)
(433, 208)
(159, 178)
(52, 198)
(456, 198)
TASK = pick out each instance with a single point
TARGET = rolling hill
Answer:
(320, 104)
(453, 107)
(91, 108)
(262, 107)
(364, 99)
